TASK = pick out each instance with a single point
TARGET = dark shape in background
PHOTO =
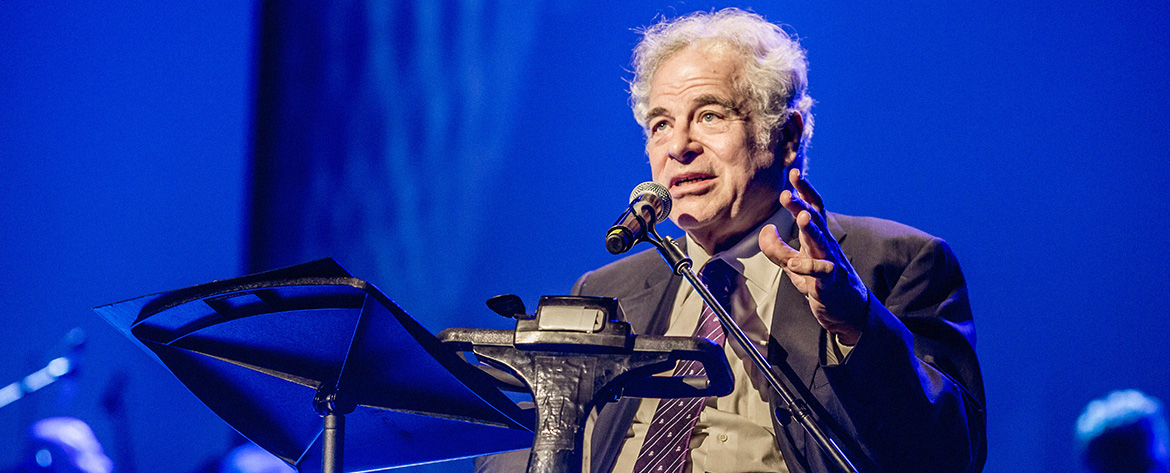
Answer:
(379, 127)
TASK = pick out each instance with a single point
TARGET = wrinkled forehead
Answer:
(701, 67)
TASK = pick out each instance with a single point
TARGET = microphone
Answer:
(649, 204)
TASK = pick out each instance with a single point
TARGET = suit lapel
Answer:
(649, 300)
(795, 345)
(795, 332)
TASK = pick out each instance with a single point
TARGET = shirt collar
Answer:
(745, 256)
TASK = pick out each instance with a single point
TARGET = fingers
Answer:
(795, 204)
(807, 208)
(784, 256)
(805, 190)
(811, 261)
(791, 203)
(812, 239)
(816, 268)
(811, 236)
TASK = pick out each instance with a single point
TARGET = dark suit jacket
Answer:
(908, 398)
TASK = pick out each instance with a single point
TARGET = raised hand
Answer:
(819, 270)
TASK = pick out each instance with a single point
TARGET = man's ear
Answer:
(788, 146)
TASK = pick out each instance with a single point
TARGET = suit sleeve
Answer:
(910, 392)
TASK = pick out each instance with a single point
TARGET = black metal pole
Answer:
(333, 407)
(333, 443)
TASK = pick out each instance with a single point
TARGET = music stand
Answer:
(271, 353)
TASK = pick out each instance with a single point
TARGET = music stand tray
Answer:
(266, 351)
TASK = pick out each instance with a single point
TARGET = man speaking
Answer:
(866, 319)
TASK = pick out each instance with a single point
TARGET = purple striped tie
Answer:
(668, 438)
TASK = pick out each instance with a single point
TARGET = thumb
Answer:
(774, 248)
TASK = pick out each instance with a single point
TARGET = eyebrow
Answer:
(711, 99)
(700, 101)
(655, 113)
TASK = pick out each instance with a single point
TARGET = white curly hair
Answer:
(774, 78)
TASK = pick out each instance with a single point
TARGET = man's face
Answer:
(700, 149)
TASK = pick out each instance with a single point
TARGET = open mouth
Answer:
(684, 180)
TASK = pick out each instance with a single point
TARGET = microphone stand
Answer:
(797, 408)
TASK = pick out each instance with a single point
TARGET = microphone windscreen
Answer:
(659, 191)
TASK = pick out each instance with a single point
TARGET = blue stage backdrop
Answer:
(451, 151)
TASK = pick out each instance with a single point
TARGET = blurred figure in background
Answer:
(64, 445)
(1124, 432)
(248, 458)
(245, 457)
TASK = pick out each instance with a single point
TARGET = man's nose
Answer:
(683, 147)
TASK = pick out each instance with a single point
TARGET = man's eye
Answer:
(657, 127)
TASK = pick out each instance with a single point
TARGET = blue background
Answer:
(1027, 134)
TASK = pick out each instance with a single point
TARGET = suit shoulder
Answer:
(873, 233)
(878, 228)
(903, 266)
(639, 260)
(641, 265)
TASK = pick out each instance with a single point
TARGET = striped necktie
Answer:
(668, 438)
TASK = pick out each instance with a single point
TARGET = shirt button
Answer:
(722, 437)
